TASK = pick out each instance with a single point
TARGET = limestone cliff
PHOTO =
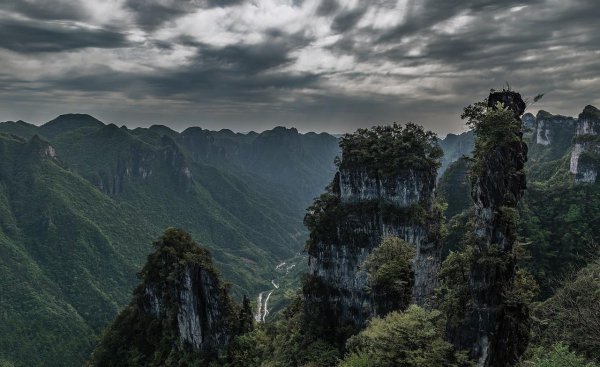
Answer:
(180, 312)
(374, 194)
(585, 158)
(553, 129)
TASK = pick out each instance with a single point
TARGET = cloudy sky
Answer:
(322, 65)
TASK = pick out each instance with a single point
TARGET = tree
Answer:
(572, 315)
(390, 274)
(246, 323)
(558, 355)
(413, 338)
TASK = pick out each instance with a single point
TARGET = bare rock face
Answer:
(361, 208)
(585, 157)
(554, 129)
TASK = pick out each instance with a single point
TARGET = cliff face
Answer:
(180, 311)
(199, 306)
(585, 158)
(363, 207)
(138, 162)
(553, 129)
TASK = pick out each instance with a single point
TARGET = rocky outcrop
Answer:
(585, 157)
(41, 148)
(349, 221)
(529, 122)
(180, 311)
(554, 130)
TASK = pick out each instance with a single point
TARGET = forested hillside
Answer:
(80, 202)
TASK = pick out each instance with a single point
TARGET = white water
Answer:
(259, 305)
(266, 310)
(262, 302)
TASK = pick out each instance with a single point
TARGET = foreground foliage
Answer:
(557, 355)
(414, 338)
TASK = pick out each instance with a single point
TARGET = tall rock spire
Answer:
(499, 327)
(385, 186)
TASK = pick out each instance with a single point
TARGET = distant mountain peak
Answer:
(69, 122)
(83, 118)
(591, 110)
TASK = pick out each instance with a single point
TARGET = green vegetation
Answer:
(385, 149)
(454, 187)
(291, 341)
(146, 333)
(497, 127)
(572, 314)
(413, 338)
(74, 230)
(390, 275)
(558, 355)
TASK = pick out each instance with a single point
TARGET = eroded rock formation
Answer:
(496, 328)
(585, 158)
(364, 204)
(554, 129)
(180, 311)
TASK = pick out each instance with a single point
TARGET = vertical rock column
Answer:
(362, 206)
(498, 183)
(585, 158)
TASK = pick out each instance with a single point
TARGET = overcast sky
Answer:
(319, 65)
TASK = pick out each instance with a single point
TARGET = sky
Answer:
(317, 65)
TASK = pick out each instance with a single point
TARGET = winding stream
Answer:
(262, 301)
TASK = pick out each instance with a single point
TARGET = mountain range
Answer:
(80, 202)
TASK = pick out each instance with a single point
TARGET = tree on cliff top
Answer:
(386, 149)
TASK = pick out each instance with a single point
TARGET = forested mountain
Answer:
(81, 201)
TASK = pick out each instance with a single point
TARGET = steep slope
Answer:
(180, 314)
(585, 159)
(454, 147)
(75, 225)
(384, 186)
(246, 219)
(63, 270)
(298, 163)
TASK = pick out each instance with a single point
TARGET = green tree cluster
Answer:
(413, 338)
(385, 149)
(558, 355)
(390, 274)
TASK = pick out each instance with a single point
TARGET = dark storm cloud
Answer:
(319, 64)
(239, 72)
(32, 36)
